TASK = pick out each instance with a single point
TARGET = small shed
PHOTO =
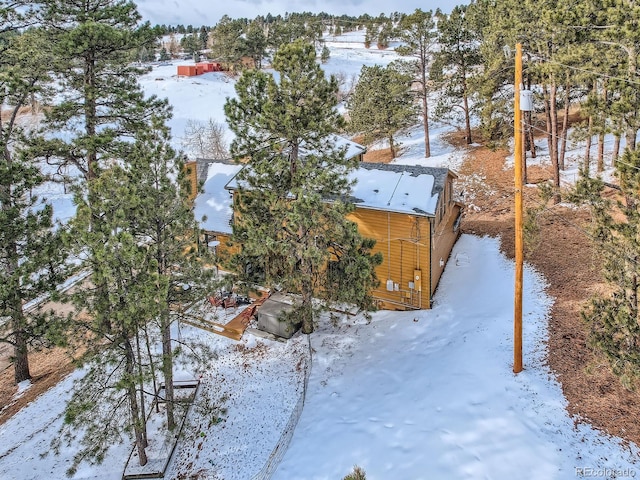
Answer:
(209, 66)
(270, 316)
(205, 67)
(187, 70)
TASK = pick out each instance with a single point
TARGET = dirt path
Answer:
(564, 255)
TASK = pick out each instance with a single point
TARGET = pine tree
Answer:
(286, 227)
(100, 101)
(163, 220)
(191, 45)
(256, 42)
(226, 41)
(164, 55)
(454, 63)
(419, 35)
(326, 53)
(616, 29)
(110, 400)
(614, 320)
(31, 252)
(381, 103)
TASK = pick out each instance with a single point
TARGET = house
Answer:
(413, 215)
(410, 211)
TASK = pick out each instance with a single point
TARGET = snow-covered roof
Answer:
(214, 203)
(352, 148)
(412, 189)
(398, 188)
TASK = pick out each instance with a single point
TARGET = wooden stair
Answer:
(235, 328)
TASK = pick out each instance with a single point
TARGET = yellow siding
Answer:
(225, 250)
(444, 238)
(404, 242)
(192, 174)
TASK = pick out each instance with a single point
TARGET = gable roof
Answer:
(410, 189)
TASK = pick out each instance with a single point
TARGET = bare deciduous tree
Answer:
(206, 140)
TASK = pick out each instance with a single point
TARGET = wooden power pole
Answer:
(519, 240)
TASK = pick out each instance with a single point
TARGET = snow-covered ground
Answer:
(413, 395)
(409, 395)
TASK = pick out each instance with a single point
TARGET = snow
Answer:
(416, 395)
(213, 206)
(431, 394)
(395, 191)
(426, 394)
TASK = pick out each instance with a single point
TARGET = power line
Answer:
(584, 70)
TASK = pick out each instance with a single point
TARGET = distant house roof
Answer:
(398, 188)
(352, 148)
(214, 203)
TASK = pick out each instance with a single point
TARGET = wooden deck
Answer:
(235, 328)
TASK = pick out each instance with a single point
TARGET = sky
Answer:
(207, 12)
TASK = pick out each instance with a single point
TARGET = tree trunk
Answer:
(392, 147)
(165, 327)
(553, 116)
(467, 116)
(565, 123)
(143, 408)
(167, 369)
(587, 149)
(307, 306)
(151, 365)
(90, 114)
(547, 115)
(631, 138)
(425, 113)
(306, 292)
(139, 423)
(601, 152)
(632, 130)
(20, 352)
(616, 150)
(530, 139)
(293, 161)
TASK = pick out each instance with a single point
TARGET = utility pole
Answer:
(519, 240)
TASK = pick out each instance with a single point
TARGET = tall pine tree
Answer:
(614, 320)
(454, 64)
(109, 399)
(100, 105)
(382, 103)
(31, 253)
(284, 222)
(163, 221)
(418, 32)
